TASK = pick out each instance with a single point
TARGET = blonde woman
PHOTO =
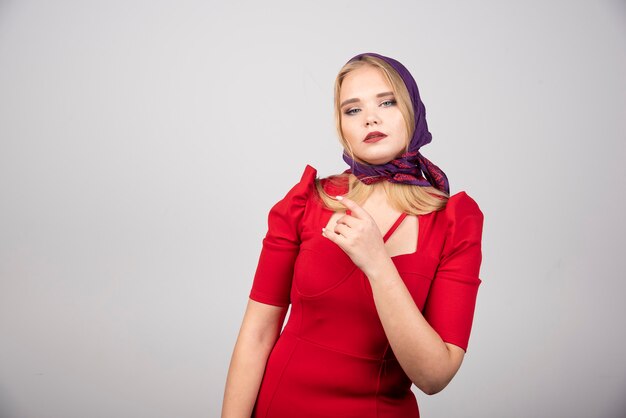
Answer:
(379, 263)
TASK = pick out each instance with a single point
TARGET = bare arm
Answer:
(260, 328)
(429, 362)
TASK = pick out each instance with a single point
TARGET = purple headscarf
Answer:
(407, 168)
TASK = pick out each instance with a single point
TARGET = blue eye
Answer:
(354, 110)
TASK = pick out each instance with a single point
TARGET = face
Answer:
(367, 104)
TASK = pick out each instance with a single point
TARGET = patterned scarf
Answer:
(407, 168)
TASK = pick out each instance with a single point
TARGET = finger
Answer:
(357, 211)
(348, 220)
(331, 235)
(342, 229)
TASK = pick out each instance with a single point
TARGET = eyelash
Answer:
(348, 112)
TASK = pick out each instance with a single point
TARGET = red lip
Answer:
(374, 136)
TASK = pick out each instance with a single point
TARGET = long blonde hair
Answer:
(414, 200)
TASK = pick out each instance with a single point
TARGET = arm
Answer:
(260, 328)
(427, 360)
(269, 299)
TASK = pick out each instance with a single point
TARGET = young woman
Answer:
(379, 263)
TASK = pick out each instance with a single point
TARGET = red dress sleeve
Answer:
(274, 273)
(449, 308)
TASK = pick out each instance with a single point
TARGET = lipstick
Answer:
(374, 137)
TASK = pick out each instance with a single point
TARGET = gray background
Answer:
(143, 143)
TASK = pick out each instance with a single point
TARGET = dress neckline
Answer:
(391, 230)
(394, 226)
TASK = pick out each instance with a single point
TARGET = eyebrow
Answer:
(388, 93)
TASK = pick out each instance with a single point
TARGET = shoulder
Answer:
(461, 205)
(286, 214)
(462, 228)
(336, 184)
(462, 218)
(298, 195)
(304, 186)
(309, 174)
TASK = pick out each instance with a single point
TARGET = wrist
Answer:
(381, 268)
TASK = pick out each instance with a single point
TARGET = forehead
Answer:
(364, 81)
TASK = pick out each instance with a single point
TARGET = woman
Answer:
(380, 265)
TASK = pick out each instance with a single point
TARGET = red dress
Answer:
(332, 358)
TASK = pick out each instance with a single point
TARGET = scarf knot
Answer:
(410, 168)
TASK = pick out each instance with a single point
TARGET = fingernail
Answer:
(339, 197)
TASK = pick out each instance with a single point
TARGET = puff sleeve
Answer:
(274, 272)
(449, 307)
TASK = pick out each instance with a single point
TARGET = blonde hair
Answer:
(414, 200)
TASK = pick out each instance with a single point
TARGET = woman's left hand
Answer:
(359, 237)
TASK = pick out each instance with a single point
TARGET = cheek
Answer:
(400, 127)
(399, 120)
(348, 128)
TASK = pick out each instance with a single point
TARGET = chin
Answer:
(377, 161)
(379, 158)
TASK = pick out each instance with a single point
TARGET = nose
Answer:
(372, 119)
